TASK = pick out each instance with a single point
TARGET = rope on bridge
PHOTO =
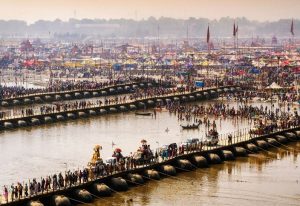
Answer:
(274, 154)
(98, 197)
(136, 183)
(258, 156)
(79, 201)
(186, 170)
(277, 147)
(287, 146)
(149, 178)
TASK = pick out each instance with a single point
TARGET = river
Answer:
(34, 152)
(259, 179)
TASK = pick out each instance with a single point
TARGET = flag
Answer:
(208, 35)
(292, 28)
(234, 30)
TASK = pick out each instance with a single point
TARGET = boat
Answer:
(193, 126)
(143, 113)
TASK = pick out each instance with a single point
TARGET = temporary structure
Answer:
(274, 86)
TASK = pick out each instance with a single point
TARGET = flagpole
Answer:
(187, 33)
(235, 39)
(208, 48)
(293, 40)
(208, 39)
(293, 34)
(234, 43)
(158, 40)
(237, 43)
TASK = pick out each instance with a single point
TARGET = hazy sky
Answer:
(262, 10)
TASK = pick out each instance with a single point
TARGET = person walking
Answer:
(5, 194)
(26, 190)
(20, 190)
(230, 139)
(12, 192)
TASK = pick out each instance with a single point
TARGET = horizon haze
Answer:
(34, 10)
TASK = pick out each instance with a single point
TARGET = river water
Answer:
(259, 179)
(34, 152)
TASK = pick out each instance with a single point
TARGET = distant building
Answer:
(26, 46)
(274, 40)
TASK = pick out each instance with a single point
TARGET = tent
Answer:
(296, 70)
(117, 66)
(274, 86)
(254, 70)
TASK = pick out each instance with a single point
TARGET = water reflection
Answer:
(257, 179)
(40, 151)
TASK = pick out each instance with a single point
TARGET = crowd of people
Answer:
(283, 97)
(69, 85)
(123, 163)
(200, 113)
(49, 183)
(70, 178)
(55, 86)
(120, 163)
(138, 93)
(196, 113)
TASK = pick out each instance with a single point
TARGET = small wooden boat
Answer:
(193, 126)
(143, 113)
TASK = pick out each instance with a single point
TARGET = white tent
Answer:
(274, 85)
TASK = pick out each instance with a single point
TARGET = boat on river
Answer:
(143, 113)
(193, 126)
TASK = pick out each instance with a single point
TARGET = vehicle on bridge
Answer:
(212, 138)
(144, 155)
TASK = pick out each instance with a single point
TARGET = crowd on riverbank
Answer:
(289, 96)
(261, 114)
(69, 85)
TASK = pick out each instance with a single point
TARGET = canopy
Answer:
(254, 70)
(143, 141)
(274, 86)
(118, 150)
(296, 70)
